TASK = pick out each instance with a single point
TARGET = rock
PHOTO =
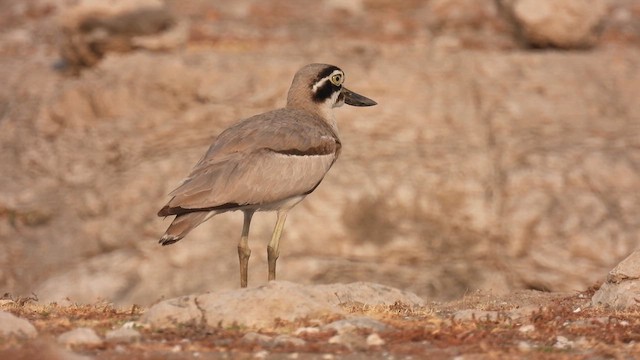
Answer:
(80, 336)
(354, 323)
(375, 340)
(351, 341)
(558, 23)
(627, 269)
(11, 325)
(524, 346)
(457, 24)
(526, 328)
(172, 312)
(92, 29)
(278, 300)
(621, 290)
(619, 296)
(288, 340)
(256, 338)
(563, 343)
(123, 335)
(306, 330)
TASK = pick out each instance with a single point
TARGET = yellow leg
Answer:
(273, 249)
(244, 252)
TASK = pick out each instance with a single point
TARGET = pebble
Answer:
(351, 324)
(123, 335)
(256, 338)
(374, 340)
(562, 343)
(527, 328)
(288, 340)
(352, 341)
(306, 330)
(80, 336)
(524, 346)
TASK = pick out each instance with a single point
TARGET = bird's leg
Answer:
(243, 248)
(273, 249)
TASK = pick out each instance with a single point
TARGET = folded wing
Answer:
(259, 161)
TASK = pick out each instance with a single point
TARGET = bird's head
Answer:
(321, 86)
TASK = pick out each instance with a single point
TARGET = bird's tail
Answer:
(181, 226)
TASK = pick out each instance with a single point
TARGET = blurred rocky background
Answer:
(504, 153)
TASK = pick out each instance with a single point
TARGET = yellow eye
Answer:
(336, 79)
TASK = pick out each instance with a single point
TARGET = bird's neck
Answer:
(324, 113)
(329, 117)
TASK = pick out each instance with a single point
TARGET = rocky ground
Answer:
(503, 157)
(523, 324)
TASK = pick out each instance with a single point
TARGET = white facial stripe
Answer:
(324, 80)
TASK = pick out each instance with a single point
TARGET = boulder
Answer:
(558, 23)
(621, 290)
(91, 29)
(80, 336)
(261, 306)
(11, 325)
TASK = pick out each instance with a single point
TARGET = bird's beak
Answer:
(354, 99)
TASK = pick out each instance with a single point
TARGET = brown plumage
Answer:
(267, 162)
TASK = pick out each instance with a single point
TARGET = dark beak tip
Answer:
(355, 99)
(363, 103)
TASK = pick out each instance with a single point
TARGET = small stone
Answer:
(123, 335)
(4, 302)
(306, 330)
(351, 341)
(336, 339)
(527, 328)
(288, 340)
(80, 336)
(374, 340)
(563, 343)
(255, 338)
(524, 346)
(135, 325)
(11, 325)
(261, 354)
(351, 324)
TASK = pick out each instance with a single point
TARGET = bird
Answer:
(267, 162)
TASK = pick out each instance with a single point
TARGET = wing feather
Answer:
(262, 160)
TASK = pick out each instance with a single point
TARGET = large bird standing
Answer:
(268, 162)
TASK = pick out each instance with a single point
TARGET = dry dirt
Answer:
(560, 326)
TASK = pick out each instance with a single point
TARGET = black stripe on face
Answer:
(327, 89)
